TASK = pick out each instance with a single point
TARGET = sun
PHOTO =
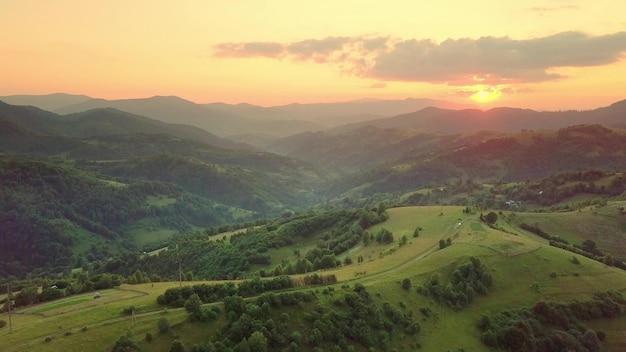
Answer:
(486, 95)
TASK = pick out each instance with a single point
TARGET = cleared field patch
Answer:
(160, 201)
(382, 258)
(605, 226)
(501, 242)
(82, 301)
(145, 234)
(476, 226)
(58, 305)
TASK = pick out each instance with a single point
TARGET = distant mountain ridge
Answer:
(101, 122)
(496, 119)
(49, 102)
(239, 120)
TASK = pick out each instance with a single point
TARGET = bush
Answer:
(553, 275)
(406, 284)
(164, 325)
(3, 323)
(48, 338)
(149, 337)
(125, 344)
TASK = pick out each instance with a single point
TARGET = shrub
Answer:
(164, 325)
(3, 323)
(149, 337)
(406, 284)
(48, 338)
(125, 344)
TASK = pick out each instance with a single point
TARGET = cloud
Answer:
(456, 62)
(252, 49)
(543, 9)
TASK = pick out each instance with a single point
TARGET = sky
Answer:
(545, 55)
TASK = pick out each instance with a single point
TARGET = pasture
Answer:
(525, 270)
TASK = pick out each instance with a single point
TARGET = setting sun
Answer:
(486, 95)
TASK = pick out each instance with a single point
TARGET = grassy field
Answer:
(604, 225)
(525, 270)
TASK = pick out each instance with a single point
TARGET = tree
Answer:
(589, 246)
(27, 296)
(178, 346)
(257, 342)
(416, 233)
(385, 236)
(442, 244)
(381, 208)
(406, 284)
(403, 240)
(164, 325)
(125, 344)
(193, 306)
(491, 218)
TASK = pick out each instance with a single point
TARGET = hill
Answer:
(334, 114)
(497, 119)
(55, 216)
(49, 102)
(407, 296)
(489, 157)
(101, 122)
(179, 111)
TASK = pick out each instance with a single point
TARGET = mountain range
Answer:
(240, 120)
(108, 178)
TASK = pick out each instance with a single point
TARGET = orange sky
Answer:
(549, 54)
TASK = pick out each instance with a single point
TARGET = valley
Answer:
(389, 235)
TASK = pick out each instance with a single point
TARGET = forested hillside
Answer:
(519, 156)
(55, 216)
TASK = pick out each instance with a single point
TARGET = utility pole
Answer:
(180, 271)
(9, 301)
(441, 200)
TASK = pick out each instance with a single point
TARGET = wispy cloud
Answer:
(544, 9)
(457, 62)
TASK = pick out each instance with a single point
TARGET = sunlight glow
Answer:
(486, 95)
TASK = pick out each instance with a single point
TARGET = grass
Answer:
(525, 270)
(160, 201)
(604, 225)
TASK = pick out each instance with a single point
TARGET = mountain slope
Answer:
(101, 122)
(334, 114)
(497, 119)
(487, 157)
(180, 111)
(48, 102)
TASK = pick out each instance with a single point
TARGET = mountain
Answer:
(334, 114)
(101, 122)
(244, 120)
(176, 110)
(497, 119)
(485, 157)
(48, 102)
(122, 145)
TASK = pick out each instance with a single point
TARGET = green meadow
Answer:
(524, 267)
